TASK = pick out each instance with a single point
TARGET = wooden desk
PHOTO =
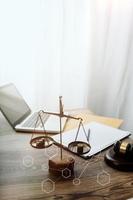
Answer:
(23, 179)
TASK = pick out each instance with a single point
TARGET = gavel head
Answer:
(124, 149)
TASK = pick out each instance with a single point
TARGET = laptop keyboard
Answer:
(31, 121)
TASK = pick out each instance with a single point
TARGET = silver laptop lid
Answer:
(13, 105)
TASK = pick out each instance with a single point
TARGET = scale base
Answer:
(62, 167)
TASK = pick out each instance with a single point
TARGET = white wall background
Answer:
(111, 83)
(81, 49)
(44, 50)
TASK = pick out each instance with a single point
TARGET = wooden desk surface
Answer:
(24, 172)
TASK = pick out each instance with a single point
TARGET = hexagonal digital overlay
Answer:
(66, 173)
(48, 186)
(103, 178)
(28, 161)
(76, 181)
(44, 167)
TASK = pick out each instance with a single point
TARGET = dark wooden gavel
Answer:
(124, 149)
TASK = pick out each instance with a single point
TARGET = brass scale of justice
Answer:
(57, 164)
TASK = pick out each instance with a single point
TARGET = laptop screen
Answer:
(12, 104)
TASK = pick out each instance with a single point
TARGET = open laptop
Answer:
(20, 116)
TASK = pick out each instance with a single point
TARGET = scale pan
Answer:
(41, 142)
(79, 147)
